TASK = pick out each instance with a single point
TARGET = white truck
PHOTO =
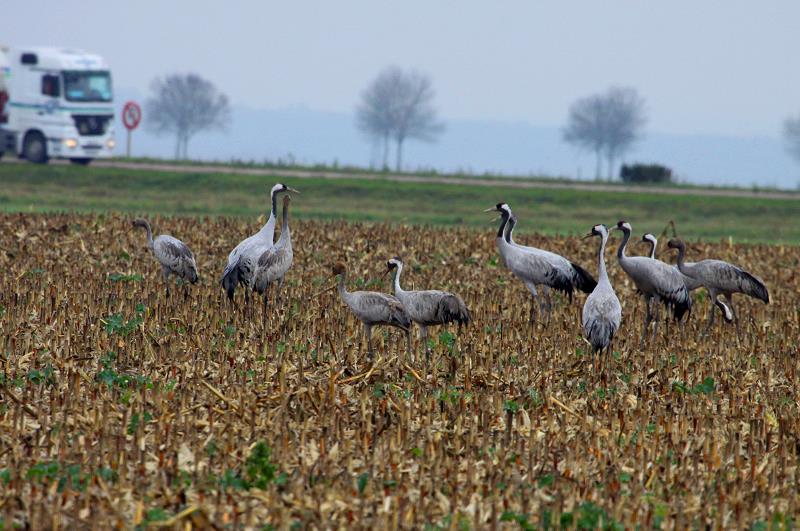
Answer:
(55, 102)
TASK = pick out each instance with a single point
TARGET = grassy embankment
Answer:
(28, 188)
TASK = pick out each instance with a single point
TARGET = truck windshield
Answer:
(87, 86)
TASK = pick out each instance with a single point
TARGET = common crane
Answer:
(174, 256)
(373, 308)
(602, 313)
(720, 278)
(428, 307)
(691, 284)
(657, 282)
(273, 263)
(536, 267)
(242, 260)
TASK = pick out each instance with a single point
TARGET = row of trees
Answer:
(398, 106)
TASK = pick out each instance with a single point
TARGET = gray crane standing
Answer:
(602, 313)
(273, 263)
(428, 307)
(174, 256)
(242, 260)
(720, 278)
(691, 284)
(373, 308)
(536, 267)
(658, 282)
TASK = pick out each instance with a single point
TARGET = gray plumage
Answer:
(602, 313)
(373, 308)
(174, 256)
(428, 307)
(656, 281)
(273, 263)
(243, 259)
(690, 283)
(720, 278)
(537, 267)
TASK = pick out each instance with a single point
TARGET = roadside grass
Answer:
(30, 188)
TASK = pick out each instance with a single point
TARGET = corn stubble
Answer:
(122, 408)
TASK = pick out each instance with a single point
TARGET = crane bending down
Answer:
(720, 278)
(174, 256)
(273, 263)
(536, 267)
(602, 313)
(373, 308)
(428, 307)
(242, 260)
(657, 281)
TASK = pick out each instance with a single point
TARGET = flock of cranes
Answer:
(258, 262)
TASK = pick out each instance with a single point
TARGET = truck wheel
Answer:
(82, 161)
(35, 148)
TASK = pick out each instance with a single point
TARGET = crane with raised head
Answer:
(373, 308)
(174, 256)
(537, 267)
(273, 263)
(656, 281)
(602, 313)
(242, 259)
(428, 307)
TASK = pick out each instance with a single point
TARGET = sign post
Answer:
(131, 116)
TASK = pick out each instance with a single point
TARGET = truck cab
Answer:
(59, 103)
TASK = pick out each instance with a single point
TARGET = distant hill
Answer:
(511, 148)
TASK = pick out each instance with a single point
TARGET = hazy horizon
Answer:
(720, 70)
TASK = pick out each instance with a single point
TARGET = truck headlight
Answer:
(71, 143)
(111, 143)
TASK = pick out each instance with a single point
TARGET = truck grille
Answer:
(92, 124)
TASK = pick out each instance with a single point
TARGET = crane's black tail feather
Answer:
(584, 280)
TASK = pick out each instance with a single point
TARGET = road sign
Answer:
(131, 115)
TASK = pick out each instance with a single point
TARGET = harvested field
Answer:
(119, 407)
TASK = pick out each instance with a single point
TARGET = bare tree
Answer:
(791, 134)
(607, 124)
(185, 104)
(398, 106)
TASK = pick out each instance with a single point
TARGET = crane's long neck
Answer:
(397, 288)
(601, 266)
(285, 233)
(652, 249)
(510, 232)
(681, 257)
(149, 234)
(626, 234)
(342, 290)
(268, 230)
(503, 224)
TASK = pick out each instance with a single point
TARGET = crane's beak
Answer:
(493, 209)
(292, 190)
(587, 236)
(326, 290)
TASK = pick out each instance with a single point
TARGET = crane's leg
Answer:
(657, 316)
(409, 349)
(710, 321)
(165, 274)
(547, 305)
(278, 287)
(368, 333)
(423, 334)
(266, 300)
(734, 314)
(648, 316)
(535, 302)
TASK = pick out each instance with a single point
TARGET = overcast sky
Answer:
(703, 67)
